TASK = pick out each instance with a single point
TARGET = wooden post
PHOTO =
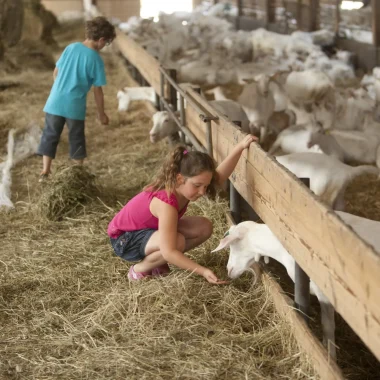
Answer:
(240, 13)
(162, 90)
(183, 117)
(299, 14)
(376, 22)
(313, 15)
(302, 282)
(270, 11)
(235, 203)
(173, 91)
(337, 16)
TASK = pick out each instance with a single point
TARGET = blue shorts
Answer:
(130, 246)
(52, 133)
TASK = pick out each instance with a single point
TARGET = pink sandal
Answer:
(133, 276)
(162, 270)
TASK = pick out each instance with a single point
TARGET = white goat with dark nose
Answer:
(248, 241)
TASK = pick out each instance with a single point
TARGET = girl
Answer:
(151, 228)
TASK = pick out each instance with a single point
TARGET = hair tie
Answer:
(185, 152)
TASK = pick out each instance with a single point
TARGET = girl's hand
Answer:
(246, 142)
(211, 278)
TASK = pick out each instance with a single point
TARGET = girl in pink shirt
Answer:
(151, 229)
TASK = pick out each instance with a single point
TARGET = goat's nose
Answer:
(229, 271)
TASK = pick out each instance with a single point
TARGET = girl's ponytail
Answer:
(189, 164)
(172, 168)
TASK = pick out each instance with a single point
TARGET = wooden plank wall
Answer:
(59, 6)
(140, 58)
(121, 9)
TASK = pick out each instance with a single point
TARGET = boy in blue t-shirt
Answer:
(78, 69)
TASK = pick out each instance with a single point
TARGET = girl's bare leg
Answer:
(192, 231)
(153, 258)
(195, 229)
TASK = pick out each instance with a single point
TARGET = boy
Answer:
(79, 67)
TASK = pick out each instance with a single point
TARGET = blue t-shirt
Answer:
(79, 68)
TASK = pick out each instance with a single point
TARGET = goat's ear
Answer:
(247, 80)
(225, 242)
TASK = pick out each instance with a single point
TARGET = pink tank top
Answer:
(135, 215)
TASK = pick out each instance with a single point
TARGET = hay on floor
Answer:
(66, 192)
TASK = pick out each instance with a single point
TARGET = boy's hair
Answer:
(189, 165)
(100, 27)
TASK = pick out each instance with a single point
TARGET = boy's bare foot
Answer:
(43, 177)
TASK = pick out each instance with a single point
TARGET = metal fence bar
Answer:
(235, 203)
(181, 127)
(182, 116)
(302, 282)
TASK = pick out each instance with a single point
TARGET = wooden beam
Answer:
(337, 16)
(140, 58)
(330, 252)
(327, 369)
(313, 15)
(299, 15)
(376, 22)
(270, 11)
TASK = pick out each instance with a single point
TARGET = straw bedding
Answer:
(67, 310)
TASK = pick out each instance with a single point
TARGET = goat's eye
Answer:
(226, 234)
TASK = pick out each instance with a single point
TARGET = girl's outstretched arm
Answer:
(167, 228)
(228, 165)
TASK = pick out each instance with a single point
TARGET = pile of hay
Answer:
(363, 197)
(66, 192)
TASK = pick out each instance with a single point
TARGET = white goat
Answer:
(233, 111)
(127, 94)
(6, 179)
(307, 87)
(348, 145)
(295, 139)
(248, 241)
(165, 126)
(258, 103)
(328, 176)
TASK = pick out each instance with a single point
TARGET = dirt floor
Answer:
(67, 310)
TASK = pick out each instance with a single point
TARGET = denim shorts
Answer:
(130, 246)
(52, 132)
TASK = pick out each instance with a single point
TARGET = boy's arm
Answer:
(228, 165)
(99, 100)
(55, 72)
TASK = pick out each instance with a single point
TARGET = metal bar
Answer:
(337, 16)
(234, 202)
(182, 115)
(182, 128)
(165, 74)
(302, 282)
(270, 11)
(171, 81)
(376, 22)
(162, 89)
(209, 137)
(157, 102)
(313, 15)
(240, 13)
(173, 90)
(299, 14)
